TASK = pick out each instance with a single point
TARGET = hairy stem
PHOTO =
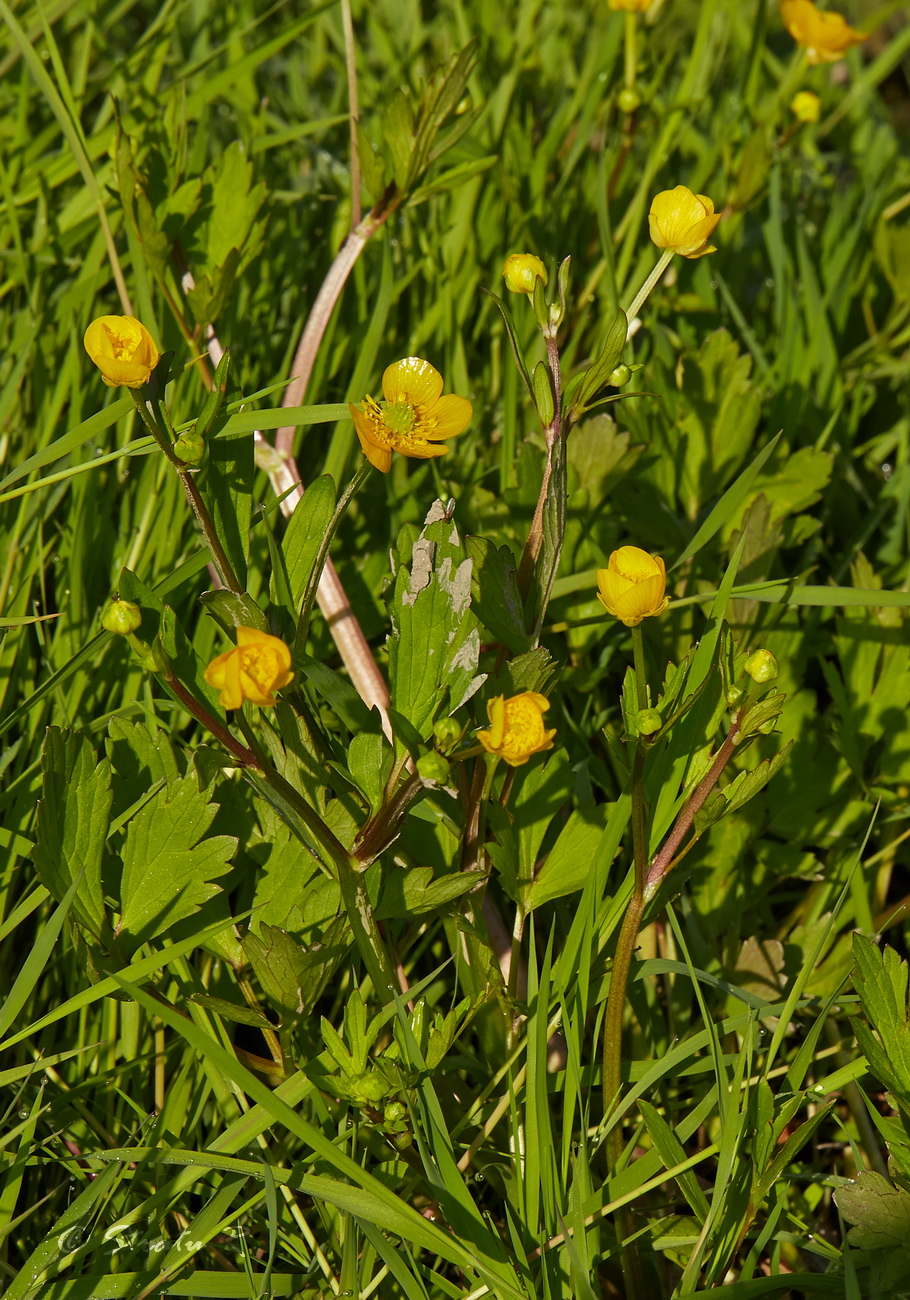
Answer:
(641, 297)
(553, 432)
(666, 855)
(193, 495)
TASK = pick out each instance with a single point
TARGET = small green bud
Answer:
(647, 721)
(432, 767)
(189, 448)
(394, 1113)
(621, 375)
(369, 1088)
(762, 667)
(447, 733)
(628, 99)
(121, 617)
(733, 695)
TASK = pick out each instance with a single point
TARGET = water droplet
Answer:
(23, 1114)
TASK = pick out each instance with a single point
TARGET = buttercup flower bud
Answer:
(516, 727)
(121, 617)
(762, 667)
(621, 375)
(826, 37)
(683, 222)
(258, 665)
(122, 349)
(632, 586)
(432, 767)
(190, 448)
(648, 721)
(395, 1113)
(447, 732)
(806, 106)
(369, 1088)
(628, 99)
(522, 271)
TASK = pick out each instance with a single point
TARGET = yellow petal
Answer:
(380, 456)
(634, 563)
(450, 414)
(496, 712)
(412, 381)
(825, 36)
(422, 450)
(682, 221)
(122, 349)
(223, 673)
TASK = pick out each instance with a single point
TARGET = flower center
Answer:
(524, 727)
(260, 664)
(399, 417)
(123, 343)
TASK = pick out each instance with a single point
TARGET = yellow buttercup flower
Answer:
(826, 37)
(516, 727)
(522, 271)
(632, 586)
(122, 349)
(806, 107)
(683, 221)
(414, 417)
(258, 665)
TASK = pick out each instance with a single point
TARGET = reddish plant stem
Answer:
(245, 757)
(663, 859)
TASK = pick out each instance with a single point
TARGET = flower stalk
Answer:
(630, 50)
(553, 431)
(647, 880)
(645, 291)
(245, 757)
(622, 960)
(347, 868)
(193, 495)
(668, 854)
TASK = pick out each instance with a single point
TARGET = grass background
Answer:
(236, 120)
